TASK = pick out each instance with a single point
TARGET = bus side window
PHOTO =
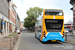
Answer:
(39, 30)
(47, 13)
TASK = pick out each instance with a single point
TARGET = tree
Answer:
(32, 13)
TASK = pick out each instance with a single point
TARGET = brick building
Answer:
(22, 24)
(12, 17)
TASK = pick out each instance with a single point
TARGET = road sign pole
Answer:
(65, 36)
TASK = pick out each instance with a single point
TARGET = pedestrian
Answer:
(2, 31)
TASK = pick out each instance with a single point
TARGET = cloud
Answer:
(24, 5)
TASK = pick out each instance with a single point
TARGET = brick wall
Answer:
(12, 14)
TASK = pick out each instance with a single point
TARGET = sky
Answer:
(24, 5)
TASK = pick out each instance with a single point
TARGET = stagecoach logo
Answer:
(50, 34)
(53, 35)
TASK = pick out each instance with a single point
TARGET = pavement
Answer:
(70, 39)
(4, 35)
(17, 42)
(29, 42)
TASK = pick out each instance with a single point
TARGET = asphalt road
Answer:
(29, 42)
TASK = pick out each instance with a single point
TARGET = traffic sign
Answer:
(3, 23)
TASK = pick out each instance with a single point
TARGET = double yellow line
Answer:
(18, 42)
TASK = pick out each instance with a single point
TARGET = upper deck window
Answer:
(53, 12)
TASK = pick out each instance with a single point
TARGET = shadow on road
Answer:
(49, 42)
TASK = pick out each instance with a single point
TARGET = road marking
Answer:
(18, 42)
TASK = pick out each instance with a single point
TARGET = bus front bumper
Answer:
(57, 39)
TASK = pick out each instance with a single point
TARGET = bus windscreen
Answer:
(53, 25)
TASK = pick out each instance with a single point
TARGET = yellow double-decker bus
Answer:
(50, 25)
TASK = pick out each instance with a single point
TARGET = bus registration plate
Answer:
(53, 40)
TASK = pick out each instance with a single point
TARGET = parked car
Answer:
(18, 30)
(66, 31)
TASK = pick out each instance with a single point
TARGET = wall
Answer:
(74, 16)
(4, 7)
(12, 17)
(12, 14)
